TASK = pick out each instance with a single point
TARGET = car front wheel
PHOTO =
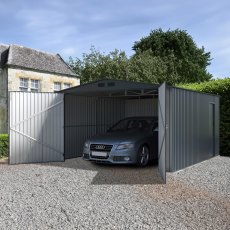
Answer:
(143, 156)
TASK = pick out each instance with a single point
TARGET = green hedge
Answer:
(220, 87)
(3, 145)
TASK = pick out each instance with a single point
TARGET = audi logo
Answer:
(100, 147)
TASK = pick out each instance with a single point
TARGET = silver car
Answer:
(133, 140)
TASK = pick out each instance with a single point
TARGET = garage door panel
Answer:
(162, 131)
(36, 127)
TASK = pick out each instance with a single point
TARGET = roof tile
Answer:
(37, 60)
(3, 54)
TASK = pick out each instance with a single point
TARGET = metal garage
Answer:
(53, 126)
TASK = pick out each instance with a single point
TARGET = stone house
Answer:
(26, 69)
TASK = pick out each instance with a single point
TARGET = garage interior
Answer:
(109, 102)
(188, 121)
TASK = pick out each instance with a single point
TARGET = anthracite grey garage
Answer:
(47, 127)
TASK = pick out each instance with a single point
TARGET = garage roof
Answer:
(113, 88)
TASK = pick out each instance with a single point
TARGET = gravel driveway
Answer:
(81, 195)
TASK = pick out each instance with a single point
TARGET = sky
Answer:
(71, 27)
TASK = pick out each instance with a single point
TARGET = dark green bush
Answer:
(3, 145)
(220, 87)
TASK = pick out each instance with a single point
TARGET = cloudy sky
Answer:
(70, 27)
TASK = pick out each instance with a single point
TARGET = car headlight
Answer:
(86, 144)
(125, 146)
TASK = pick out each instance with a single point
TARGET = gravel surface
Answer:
(76, 194)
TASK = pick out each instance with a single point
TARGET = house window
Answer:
(66, 86)
(57, 86)
(23, 84)
(35, 85)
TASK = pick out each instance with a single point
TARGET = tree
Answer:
(146, 67)
(116, 65)
(184, 62)
(170, 56)
(95, 65)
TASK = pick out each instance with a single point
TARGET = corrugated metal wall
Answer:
(79, 111)
(87, 116)
(36, 127)
(191, 129)
(141, 107)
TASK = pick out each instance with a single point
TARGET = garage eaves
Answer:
(113, 88)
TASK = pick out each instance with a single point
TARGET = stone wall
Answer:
(3, 101)
(46, 80)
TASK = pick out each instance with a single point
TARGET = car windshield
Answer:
(133, 124)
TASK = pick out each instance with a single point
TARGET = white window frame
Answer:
(23, 84)
(34, 85)
(57, 86)
(66, 85)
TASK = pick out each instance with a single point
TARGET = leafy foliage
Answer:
(95, 66)
(170, 56)
(183, 60)
(220, 87)
(3, 145)
(147, 68)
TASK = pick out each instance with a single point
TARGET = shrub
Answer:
(3, 145)
(220, 87)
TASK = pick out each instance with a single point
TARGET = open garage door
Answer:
(162, 130)
(36, 127)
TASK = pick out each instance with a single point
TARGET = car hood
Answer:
(118, 137)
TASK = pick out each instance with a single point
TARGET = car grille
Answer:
(101, 147)
(99, 157)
